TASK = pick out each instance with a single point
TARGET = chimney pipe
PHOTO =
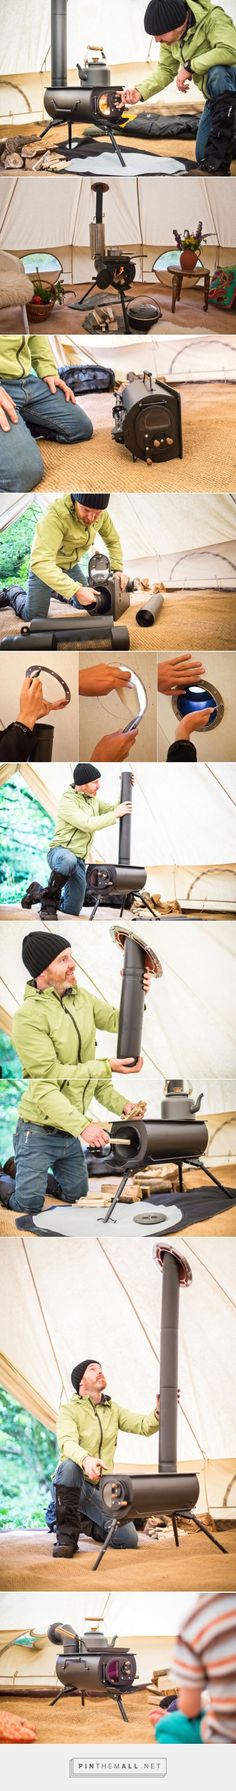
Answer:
(176, 1273)
(58, 43)
(126, 820)
(137, 956)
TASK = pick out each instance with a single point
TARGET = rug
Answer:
(172, 1213)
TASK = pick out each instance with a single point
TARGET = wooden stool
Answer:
(179, 273)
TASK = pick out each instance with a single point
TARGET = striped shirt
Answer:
(205, 1658)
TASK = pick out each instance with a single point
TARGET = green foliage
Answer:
(26, 833)
(29, 1456)
(15, 545)
(11, 1086)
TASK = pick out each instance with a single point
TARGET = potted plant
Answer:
(190, 244)
(46, 293)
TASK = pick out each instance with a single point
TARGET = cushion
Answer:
(15, 289)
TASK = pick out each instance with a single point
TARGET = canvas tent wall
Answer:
(189, 1020)
(131, 215)
(129, 51)
(49, 1305)
(201, 530)
(149, 1625)
(188, 360)
(174, 836)
(220, 742)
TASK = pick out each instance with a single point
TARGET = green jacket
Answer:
(55, 1037)
(60, 539)
(210, 41)
(87, 1429)
(20, 354)
(79, 818)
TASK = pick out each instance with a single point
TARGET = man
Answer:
(198, 42)
(87, 1433)
(62, 536)
(54, 1033)
(33, 406)
(80, 815)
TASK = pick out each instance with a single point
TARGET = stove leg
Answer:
(197, 1521)
(121, 1708)
(117, 1197)
(197, 1164)
(106, 1543)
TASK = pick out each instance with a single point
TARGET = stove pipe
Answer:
(58, 43)
(132, 1001)
(176, 1273)
(137, 957)
(125, 820)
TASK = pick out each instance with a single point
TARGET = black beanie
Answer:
(93, 500)
(40, 949)
(77, 1375)
(164, 15)
(84, 774)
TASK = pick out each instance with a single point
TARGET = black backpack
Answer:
(221, 145)
(88, 378)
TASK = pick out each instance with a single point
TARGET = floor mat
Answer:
(135, 162)
(169, 1214)
(209, 424)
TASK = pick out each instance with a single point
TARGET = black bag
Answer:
(158, 124)
(88, 379)
(221, 146)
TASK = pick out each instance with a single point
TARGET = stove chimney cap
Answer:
(185, 1273)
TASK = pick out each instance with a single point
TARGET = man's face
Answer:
(88, 789)
(170, 37)
(94, 1382)
(60, 975)
(86, 513)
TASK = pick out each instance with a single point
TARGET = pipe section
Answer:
(58, 43)
(147, 615)
(124, 851)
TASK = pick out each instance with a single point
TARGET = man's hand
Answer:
(192, 724)
(124, 808)
(157, 1405)
(86, 595)
(99, 680)
(32, 703)
(146, 979)
(114, 746)
(125, 1066)
(129, 97)
(135, 1109)
(7, 411)
(95, 1135)
(123, 580)
(183, 80)
(53, 382)
(174, 674)
(92, 1467)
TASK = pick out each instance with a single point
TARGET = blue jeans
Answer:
(219, 80)
(73, 870)
(90, 1505)
(39, 414)
(37, 1149)
(37, 598)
